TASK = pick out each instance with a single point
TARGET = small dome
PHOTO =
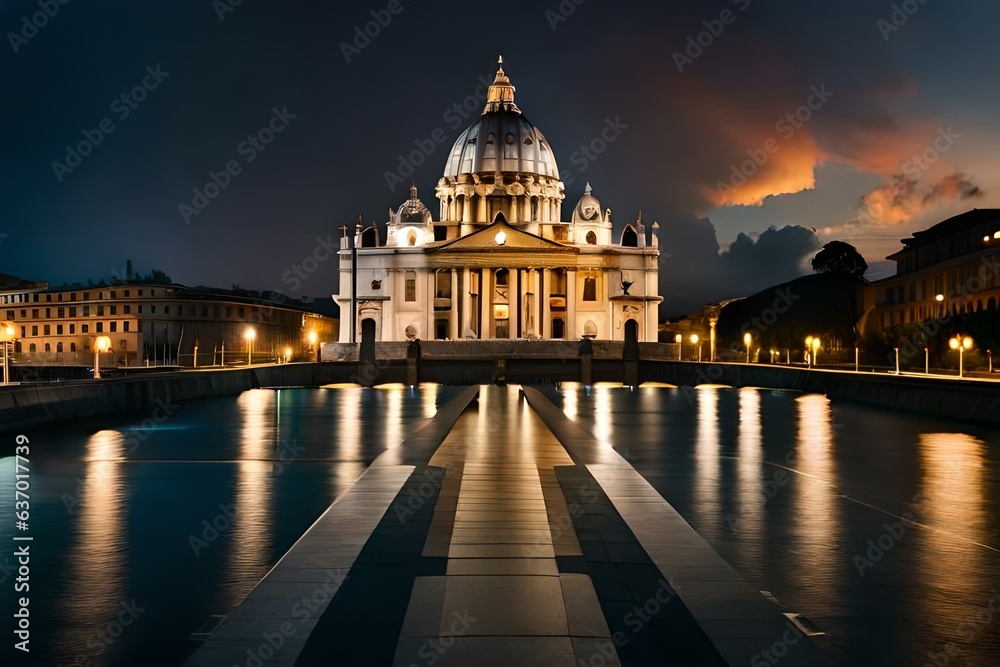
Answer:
(502, 139)
(588, 209)
(413, 210)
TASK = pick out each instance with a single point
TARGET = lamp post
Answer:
(960, 343)
(679, 339)
(694, 341)
(6, 336)
(249, 335)
(101, 344)
(747, 340)
(312, 342)
(809, 344)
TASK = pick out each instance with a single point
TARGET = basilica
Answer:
(500, 261)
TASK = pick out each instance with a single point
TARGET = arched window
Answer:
(72, 347)
(629, 238)
(59, 347)
(32, 348)
(502, 277)
(48, 347)
(591, 238)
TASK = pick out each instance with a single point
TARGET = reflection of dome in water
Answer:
(501, 139)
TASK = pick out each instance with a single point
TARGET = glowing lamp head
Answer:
(500, 238)
(747, 338)
(6, 332)
(250, 333)
(678, 338)
(815, 344)
(694, 338)
(967, 343)
(102, 344)
(312, 337)
(939, 297)
(953, 343)
(809, 341)
(288, 351)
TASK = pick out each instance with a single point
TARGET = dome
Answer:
(413, 210)
(501, 139)
(588, 210)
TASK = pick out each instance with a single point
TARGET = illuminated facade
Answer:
(952, 268)
(500, 262)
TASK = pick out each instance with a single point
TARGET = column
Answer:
(431, 333)
(465, 321)
(571, 305)
(513, 302)
(453, 332)
(546, 315)
(481, 214)
(486, 304)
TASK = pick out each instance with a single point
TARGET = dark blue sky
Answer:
(893, 93)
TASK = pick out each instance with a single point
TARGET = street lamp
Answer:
(679, 339)
(812, 347)
(101, 344)
(747, 340)
(249, 334)
(960, 343)
(694, 341)
(6, 336)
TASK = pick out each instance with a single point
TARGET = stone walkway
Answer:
(503, 534)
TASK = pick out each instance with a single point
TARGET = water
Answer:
(124, 566)
(805, 499)
(802, 497)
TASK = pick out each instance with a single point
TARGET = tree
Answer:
(839, 256)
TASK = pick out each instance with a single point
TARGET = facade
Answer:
(952, 268)
(152, 324)
(500, 261)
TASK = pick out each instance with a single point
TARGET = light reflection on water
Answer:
(279, 458)
(792, 489)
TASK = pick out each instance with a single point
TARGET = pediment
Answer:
(500, 236)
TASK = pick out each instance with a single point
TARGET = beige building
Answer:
(949, 269)
(152, 324)
(501, 261)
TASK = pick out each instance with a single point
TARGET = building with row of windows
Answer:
(152, 324)
(500, 262)
(951, 268)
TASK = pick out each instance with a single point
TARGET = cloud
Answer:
(696, 272)
(900, 199)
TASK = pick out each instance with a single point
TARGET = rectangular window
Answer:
(127, 309)
(114, 294)
(72, 296)
(114, 327)
(10, 314)
(48, 313)
(152, 309)
(125, 326)
(59, 330)
(240, 313)
(34, 313)
(126, 293)
(46, 330)
(166, 310)
(216, 310)
(60, 312)
(139, 308)
(204, 311)
(100, 311)
(411, 286)
(140, 292)
(84, 328)
(100, 327)
(590, 288)
(72, 329)
(34, 329)
(48, 298)
(114, 310)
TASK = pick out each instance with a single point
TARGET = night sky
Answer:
(885, 86)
